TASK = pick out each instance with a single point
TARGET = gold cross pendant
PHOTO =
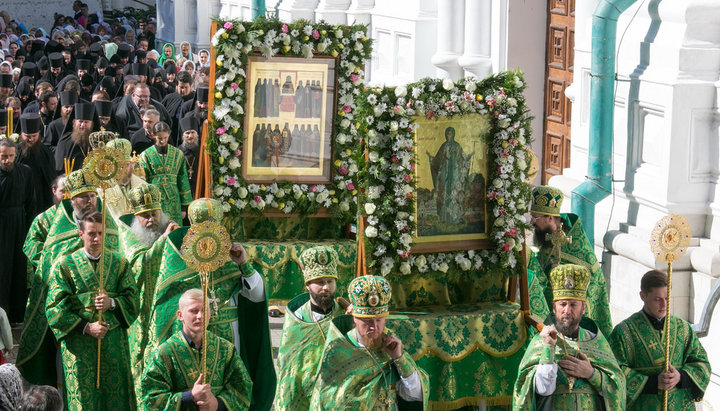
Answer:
(558, 239)
(214, 301)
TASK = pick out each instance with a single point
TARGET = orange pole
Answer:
(203, 186)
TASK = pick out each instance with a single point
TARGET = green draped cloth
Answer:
(144, 263)
(578, 251)
(604, 390)
(351, 377)
(254, 343)
(538, 284)
(36, 355)
(640, 351)
(73, 285)
(169, 174)
(36, 236)
(301, 345)
(175, 366)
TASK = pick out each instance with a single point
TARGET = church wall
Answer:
(34, 14)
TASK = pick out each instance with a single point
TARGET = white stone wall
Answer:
(34, 14)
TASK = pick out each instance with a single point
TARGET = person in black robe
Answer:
(63, 112)
(127, 113)
(32, 153)
(103, 109)
(173, 103)
(16, 196)
(3, 121)
(191, 149)
(198, 106)
(74, 145)
(56, 72)
(6, 87)
(143, 139)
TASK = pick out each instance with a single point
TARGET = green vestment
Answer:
(36, 236)
(604, 390)
(640, 351)
(250, 319)
(36, 355)
(351, 377)
(144, 261)
(301, 345)
(169, 174)
(175, 366)
(577, 251)
(73, 285)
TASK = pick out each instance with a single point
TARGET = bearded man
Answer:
(198, 107)
(36, 355)
(74, 145)
(569, 365)
(117, 197)
(306, 325)
(16, 196)
(361, 367)
(143, 234)
(40, 160)
(173, 102)
(191, 149)
(61, 115)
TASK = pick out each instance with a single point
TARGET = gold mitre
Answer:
(319, 262)
(75, 184)
(145, 198)
(546, 200)
(569, 282)
(123, 145)
(370, 296)
(205, 209)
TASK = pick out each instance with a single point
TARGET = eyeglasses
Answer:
(142, 96)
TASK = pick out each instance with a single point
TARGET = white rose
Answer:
(372, 133)
(500, 222)
(373, 156)
(345, 123)
(377, 111)
(321, 47)
(405, 267)
(371, 232)
(393, 125)
(242, 191)
(448, 84)
(443, 267)
(421, 261)
(470, 86)
(465, 264)
(400, 91)
(369, 208)
(344, 206)
(385, 270)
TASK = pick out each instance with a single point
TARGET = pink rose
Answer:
(220, 131)
(408, 178)
(512, 232)
(228, 25)
(347, 109)
(316, 34)
(342, 170)
(354, 77)
(313, 188)
(234, 86)
(258, 199)
(238, 153)
(506, 247)
(231, 181)
(284, 28)
(350, 186)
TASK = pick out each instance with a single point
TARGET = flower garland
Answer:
(233, 42)
(388, 182)
(14, 137)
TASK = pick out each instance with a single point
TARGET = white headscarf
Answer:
(10, 387)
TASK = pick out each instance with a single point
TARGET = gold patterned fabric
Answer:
(469, 351)
(319, 262)
(370, 296)
(569, 282)
(75, 184)
(546, 200)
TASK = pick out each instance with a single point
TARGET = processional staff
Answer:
(669, 241)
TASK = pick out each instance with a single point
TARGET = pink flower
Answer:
(350, 186)
(257, 199)
(405, 254)
(347, 109)
(342, 170)
(228, 25)
(429, 114)
(394, 159)
(231, 181)
(316, 34)
(512, 232)
(313, 188)
(396, 109)
(491, 195)
(506, 247)
(407, 178)
(234, 86)
(220, 131)
(238, 153)
(284, 28)
(354, 77)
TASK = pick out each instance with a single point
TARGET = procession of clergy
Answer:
(148, 315)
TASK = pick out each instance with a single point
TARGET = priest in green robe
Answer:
(236, 298)
(363, 368)
(172, 379)
(165, 167)
(37, 234)
(569, 365)
(142, 240)
(562, 240)
(37, 351)
(306, 324)
(92, 297)
(639, 347)
(117, 197)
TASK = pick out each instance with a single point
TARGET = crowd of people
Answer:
(97, 276)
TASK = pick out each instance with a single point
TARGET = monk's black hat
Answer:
(140, 69)
(68, 98)
(56, 60)
(140, 54)
(123, 50)
(188, 123)
(3, 118)
(84, 111)
(42, 63)
(103, 108)
(82, 64)
(202, 94)
(102, 63)
(86, 80)
(30, 123)
(29, 69)
(96, 49)
(6, 80)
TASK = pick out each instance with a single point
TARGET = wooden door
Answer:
(558, 76)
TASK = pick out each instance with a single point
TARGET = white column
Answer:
(205, 10)
(332, 11)
(165, 20)
(185, 22)
(360, 12)
(476, 59)
(291, 10)
(449, 38)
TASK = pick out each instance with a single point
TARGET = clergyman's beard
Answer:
(371, 342)
(81, 137)
(148, 236)
(28, 150)
(541, 237)
(569, 326)
(190, 146)
(201, 114)
(322, 301)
